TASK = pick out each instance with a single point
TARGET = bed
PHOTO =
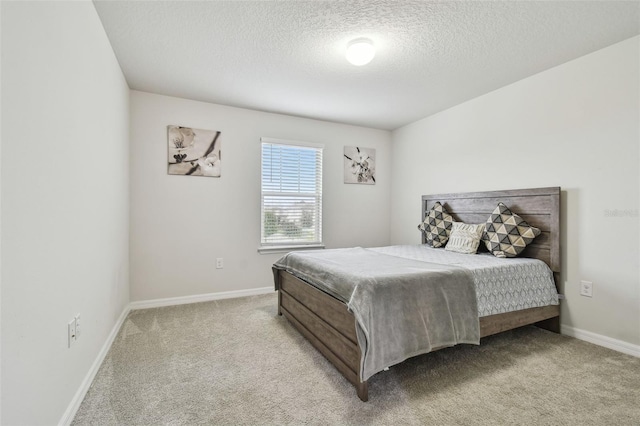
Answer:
(330, 322)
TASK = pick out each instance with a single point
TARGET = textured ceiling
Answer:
(288, 56)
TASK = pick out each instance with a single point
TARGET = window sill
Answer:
(287, 249)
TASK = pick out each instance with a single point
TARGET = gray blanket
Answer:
(403, 307)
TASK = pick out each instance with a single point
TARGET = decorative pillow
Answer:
(465, 238)
(437, 225)
(507, 234)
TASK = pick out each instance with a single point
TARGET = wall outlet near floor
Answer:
(219, 263)
(71, 332)
(586, 288)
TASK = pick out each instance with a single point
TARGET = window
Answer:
(291, 194)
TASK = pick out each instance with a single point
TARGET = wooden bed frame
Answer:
(331, 328)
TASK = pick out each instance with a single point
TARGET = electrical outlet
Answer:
(219, 263)
(586, 288)
(71, 332)
(78, 333)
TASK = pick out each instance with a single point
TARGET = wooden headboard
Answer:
(540, 207)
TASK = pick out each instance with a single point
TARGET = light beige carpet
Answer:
(236, 362)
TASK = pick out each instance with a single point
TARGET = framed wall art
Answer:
(359, 165)
(193, 152)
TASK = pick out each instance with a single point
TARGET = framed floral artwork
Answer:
(359, 165)
(193, 152)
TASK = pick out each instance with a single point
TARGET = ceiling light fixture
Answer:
(360, 51)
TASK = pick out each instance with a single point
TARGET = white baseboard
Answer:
(70, 413)
(599, 339)
(171, 301)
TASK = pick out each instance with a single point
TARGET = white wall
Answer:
(0, 222)
(181, 224)
(65, 202)
(574, 126)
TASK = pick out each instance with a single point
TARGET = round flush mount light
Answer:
(360, 51)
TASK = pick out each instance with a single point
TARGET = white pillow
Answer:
(465, 238)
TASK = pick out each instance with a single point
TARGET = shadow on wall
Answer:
(569, 263)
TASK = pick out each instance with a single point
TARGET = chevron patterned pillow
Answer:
(437, 225)
(507, 234)
(465, 238)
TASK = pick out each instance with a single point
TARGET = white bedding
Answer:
(502, 285)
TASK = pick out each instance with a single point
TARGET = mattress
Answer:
(502, 285)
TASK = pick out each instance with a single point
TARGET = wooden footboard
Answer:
(326, 323)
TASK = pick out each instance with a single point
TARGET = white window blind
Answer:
(291, 193)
